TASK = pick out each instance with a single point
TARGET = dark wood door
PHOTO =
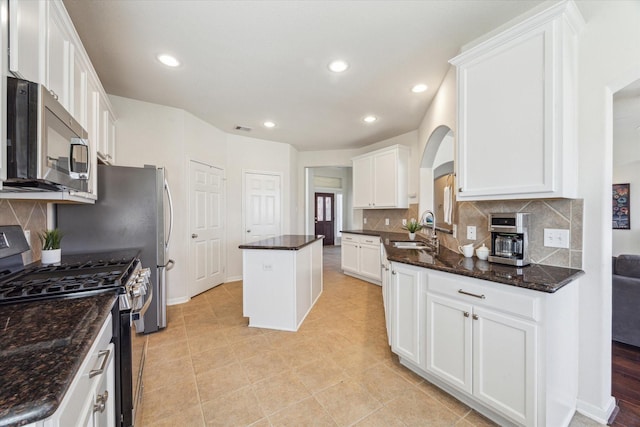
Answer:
(324, 217)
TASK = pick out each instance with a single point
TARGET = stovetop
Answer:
(76, 274)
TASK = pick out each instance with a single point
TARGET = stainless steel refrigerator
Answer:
(133, 210)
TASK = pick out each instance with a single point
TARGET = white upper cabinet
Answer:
(516, 110)
(58, 58)
(380, 179)
(27, 39)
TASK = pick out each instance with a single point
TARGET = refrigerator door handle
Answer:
(166, 187)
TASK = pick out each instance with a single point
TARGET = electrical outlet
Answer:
(556, 238)
(27, 236)
(386, 221)
(454, 231)
(471, 232)
(364, 220)
(404, 221)
(267, 267)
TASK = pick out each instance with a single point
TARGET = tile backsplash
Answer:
(30, 216)
(545, 213)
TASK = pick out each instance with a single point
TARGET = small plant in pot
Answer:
(412, 226)
(51, 252)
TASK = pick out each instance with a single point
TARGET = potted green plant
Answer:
(51, 252)
(412, 226)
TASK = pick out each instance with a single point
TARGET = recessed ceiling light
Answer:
(338, 66)
(419, 88)
(370, 119)
(168, 60)
(269, 124)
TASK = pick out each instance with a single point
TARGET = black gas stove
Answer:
(76, 275)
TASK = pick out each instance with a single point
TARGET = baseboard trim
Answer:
(233, 279)
(595, 413)
(176, 301)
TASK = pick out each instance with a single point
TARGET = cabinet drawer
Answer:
(370, 240)
(357, 238)
(478, 292)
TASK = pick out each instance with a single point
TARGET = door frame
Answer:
(244, 204)
(187, 234)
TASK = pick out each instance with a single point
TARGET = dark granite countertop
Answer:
(538, 277)
(42, 345)
(288, 242)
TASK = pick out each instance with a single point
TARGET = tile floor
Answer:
(209, 368)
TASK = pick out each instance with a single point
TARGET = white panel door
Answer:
(206, 206)
(262, 217)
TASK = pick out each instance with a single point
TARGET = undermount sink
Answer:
(411, 245)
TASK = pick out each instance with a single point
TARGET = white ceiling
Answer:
(244, 62)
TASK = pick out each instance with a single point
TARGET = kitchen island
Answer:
(42, 347)
(282, 280)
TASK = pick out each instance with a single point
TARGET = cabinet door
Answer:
(385, 179)
(370, 261)
(27, 38)
(362, 184)
(58, 55)
(386, 294)
(78, 85)
(504, 364)
(449, 341)
(350, 256)
(407, 330)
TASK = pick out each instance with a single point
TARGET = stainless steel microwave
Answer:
(47, 149)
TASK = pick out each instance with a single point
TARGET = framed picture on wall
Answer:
(621, 207)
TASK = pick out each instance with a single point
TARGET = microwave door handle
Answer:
(166, 187)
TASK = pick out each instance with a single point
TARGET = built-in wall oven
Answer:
(83, 275)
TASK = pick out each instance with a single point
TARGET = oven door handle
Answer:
(137, 314)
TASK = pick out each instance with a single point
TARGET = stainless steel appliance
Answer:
(130, 212)
(83, 275)
(509, 238)
(47, 150)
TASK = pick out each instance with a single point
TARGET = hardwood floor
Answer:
(625, 383)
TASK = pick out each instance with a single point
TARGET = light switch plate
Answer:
(556, 238)
(404, 221)
(471, 232)
(386, 221)
(365, 220)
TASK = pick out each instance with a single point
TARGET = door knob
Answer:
(194, 236)
(248, 231)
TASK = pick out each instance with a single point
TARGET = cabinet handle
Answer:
(459, 189)
(393, 272)
(105, 354)
(475, 317)
(465, 313)
(101, 402)
(460, 291)
(53, 94)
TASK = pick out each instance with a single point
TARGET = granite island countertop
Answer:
(537, 277)
(290, 242)
(42, 345)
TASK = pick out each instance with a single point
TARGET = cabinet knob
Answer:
(101, 402)
(194, 236)
(459, 189)
(393, 272)
(475, 317)
(465, 313)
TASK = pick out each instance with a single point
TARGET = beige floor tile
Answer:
(347, 402)
(167, 337)
(213, 358)
(305, 413)
(205, 339)
(383, 384)
(478, 420)
(166, 353)
(416, 408)
(251, 347)
(168, 401)
(185, 417)
(173, 372)
(241, 332)
(446, 399)
(383, 417)
(219, 382)
(263, 366)
(239, 408)
(279, 391)
(320, 374)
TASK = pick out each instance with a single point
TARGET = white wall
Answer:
(250, 154)
(626, 168)
(608, 60)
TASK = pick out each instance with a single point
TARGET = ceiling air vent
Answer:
(243, 128)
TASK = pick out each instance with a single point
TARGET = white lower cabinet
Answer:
(90, 399)
(407, 333)
(508, 352)
(386, 292)
(361, 257)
